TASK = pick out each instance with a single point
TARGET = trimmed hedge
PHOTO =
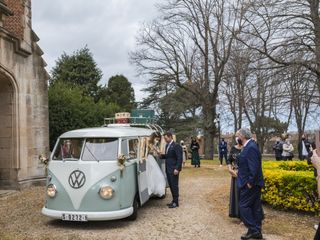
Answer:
(290, 185)
(295, 166)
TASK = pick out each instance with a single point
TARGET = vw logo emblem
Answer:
(77, 179)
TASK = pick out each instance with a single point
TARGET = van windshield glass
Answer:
(100, 149)
(68, 149)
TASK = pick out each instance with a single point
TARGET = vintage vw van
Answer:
(87, 180)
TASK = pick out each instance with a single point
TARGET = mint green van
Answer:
(97, 174)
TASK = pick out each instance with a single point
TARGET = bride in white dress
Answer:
(155, 177)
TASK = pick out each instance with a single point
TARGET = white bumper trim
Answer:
(92, 216)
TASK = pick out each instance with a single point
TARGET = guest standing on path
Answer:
(232, 163)
(287, 152)
(277, 147)
(184, 152)
(223, 151)
(250, 181)
(303, 148)
(173, 156)
(194, 147)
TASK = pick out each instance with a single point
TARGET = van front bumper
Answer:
(91, 216)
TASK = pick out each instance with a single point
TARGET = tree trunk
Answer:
(314, 14)
(260, 142)
(209, 114)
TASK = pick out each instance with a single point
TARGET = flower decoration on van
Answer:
(121, 162)
(43, 159)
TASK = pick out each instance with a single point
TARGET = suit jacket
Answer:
(223, 147)
(249, 166)
(173, 157)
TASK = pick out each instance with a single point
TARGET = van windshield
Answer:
(68, 149)
(100, 149)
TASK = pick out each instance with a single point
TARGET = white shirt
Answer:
(246, 142)
(304, 149)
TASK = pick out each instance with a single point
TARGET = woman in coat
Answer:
(184, 152)
(194, 147)
(232, 163)
(287, 150)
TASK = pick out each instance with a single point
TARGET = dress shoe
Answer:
(256, 235)
(173, 205)
(243, 236)
(169, 204)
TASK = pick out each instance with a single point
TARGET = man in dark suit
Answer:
(173, 156)
(223, 151)
(250, 181)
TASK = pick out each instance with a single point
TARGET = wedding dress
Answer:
(156, 179)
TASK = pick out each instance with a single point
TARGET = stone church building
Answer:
(24, 126)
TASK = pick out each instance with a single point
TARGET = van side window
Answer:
(133, 148)
(124, 147)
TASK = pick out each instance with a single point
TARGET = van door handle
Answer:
(139, 172)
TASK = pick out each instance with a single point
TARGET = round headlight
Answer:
(106, 192)
(51, 190)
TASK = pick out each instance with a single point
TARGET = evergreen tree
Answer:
(78, 69)
(76, 100)
(69, 109)
(120, 92)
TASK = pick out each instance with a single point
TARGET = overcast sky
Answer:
(108, 27)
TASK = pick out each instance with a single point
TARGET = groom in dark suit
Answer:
(250, 181)
(173, 156)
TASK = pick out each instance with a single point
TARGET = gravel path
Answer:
(202, 215)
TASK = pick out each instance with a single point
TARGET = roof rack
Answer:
(135, 122)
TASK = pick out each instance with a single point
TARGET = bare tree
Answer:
(286, 31)
(300, 91)
(190, 45)
(234, 82)
(259, 93)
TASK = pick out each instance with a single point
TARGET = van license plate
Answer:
(75, 217)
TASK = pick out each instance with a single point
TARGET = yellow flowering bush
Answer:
(295, 166)
(290, 185)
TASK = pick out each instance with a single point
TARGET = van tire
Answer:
(135, 206)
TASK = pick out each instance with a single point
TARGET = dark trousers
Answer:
(317, 236)
(251, 212)
(278, 157)
(221, 156)
(173, 181)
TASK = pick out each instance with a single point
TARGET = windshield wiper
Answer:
(91, 152)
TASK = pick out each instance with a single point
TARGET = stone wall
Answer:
(23, 100)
